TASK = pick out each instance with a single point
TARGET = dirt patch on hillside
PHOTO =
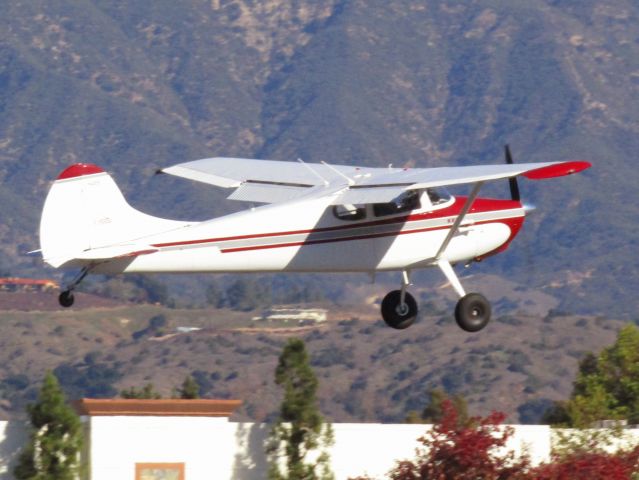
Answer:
(30, 301)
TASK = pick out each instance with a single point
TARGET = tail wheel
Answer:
(66, 299)
(398, 315)
(472, 312)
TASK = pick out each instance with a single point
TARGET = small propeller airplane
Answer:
(316, 218)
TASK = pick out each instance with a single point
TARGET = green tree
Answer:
(247, 293)
(189, 389)
(55, 441)
(606, 387)
(147, 391)
(433, 412)
(215, 294)
(300, 428)
(156, 327)
(557, 414)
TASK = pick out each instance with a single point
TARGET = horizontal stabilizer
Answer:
(117, 251)
(100, 254)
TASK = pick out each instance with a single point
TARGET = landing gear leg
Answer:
(472, 311)
(66, 297)
(399, 308)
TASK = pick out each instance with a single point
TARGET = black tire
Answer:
(472, 312)
(66, 299)
(391, 313)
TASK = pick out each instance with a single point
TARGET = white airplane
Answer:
(316, 218)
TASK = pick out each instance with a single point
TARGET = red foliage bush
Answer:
(591, 466)
(474, 450)
(464, 451)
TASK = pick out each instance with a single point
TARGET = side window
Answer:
(349, 212)
(404, 203)
(438, 196)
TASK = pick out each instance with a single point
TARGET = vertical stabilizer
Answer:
(85, 210)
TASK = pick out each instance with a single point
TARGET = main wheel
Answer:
(397, 315)
(66, 298)
(472, 312)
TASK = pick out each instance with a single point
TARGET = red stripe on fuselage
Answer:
(514, 223)
(480, 205)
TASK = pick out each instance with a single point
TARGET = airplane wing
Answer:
(418, 178)
(271, 181)
(266, 181)
(233, 172)
(382, 185)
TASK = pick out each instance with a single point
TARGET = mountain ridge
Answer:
(367, 372)
(135, 87)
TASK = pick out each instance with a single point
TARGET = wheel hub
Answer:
(398, 312)
(402, 309)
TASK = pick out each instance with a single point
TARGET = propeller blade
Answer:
(514, 186)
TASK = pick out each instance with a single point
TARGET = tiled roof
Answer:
(156, 408)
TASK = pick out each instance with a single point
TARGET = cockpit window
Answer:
(438, 196)
(349, 212)
(406, 202)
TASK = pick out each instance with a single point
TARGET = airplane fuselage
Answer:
(307, 236)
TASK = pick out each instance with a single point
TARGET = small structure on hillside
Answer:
(289, 314)
(15, 284)
(187, 329)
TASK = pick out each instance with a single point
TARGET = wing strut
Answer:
(460, 218)
(451, 276)
(324, 181)
(330, 167)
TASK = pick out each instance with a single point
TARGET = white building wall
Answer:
(373, 449)
(205, 445)
(13, 437)
(214, 448)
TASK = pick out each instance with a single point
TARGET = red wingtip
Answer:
(557, 170)
(78, 170)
